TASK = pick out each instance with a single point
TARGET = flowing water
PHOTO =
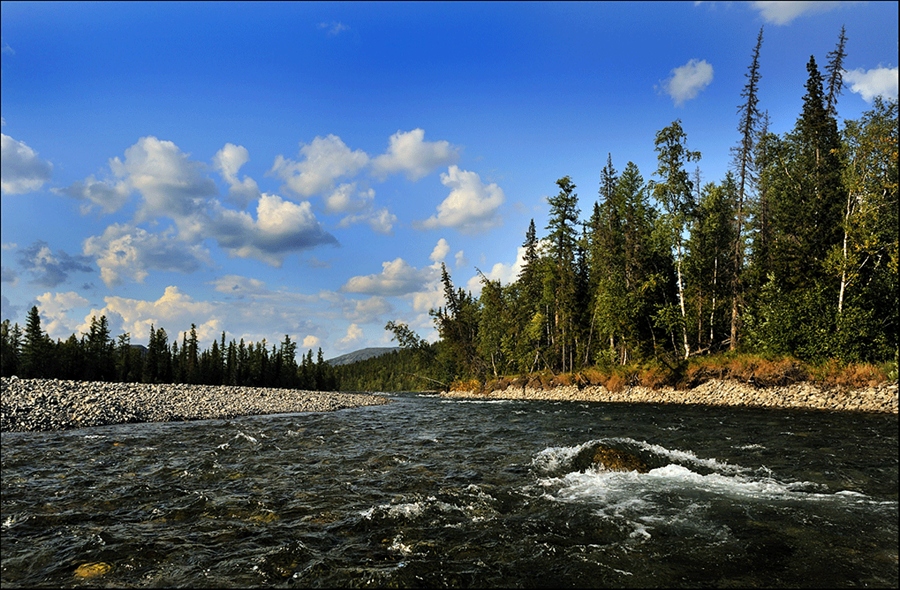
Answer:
(431, 492)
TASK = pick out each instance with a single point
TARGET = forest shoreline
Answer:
(880, 398)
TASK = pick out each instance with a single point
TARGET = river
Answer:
(432, 492)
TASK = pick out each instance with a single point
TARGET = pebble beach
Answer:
(880, 398)
(52, 404)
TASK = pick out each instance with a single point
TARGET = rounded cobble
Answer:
(52, 404)
(880, 398)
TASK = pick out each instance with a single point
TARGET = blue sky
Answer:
(303, 168)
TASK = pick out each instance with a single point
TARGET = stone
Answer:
(92, 570)
(617, 460)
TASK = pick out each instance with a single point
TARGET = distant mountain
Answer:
(360, 355)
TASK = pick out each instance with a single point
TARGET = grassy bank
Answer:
(754, 370)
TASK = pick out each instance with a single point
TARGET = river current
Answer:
(432, 492)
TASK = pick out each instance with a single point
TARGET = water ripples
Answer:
(431, 492)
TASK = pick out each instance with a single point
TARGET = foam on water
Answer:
(679, 475)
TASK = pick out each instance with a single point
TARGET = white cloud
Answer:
(172, 310)
(688, 80)
(171, 184)
(310, 342)
(345, 199)
(366, 311)
(441, 249)
(125, 251)
(409, 153)
(354, 335)
(228, 161)
(280, 227)
(108, 195)
(396, 278)
(334, 28)
(782, 13)
(54, 308)
(380, 221)
(176, 187)
(326, 160)
(21, 170)
(470, 207)
(871, 83)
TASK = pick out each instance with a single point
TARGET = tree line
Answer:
(793, 253)
(96, 356)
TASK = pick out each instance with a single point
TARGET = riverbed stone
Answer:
(881, 398)
(618, 460)
(53, 404)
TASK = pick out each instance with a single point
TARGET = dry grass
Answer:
(615, 382)
(746, 368)
(851, 376)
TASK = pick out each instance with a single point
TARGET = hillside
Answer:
(360, 355)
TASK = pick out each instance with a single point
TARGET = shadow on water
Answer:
(428, 492)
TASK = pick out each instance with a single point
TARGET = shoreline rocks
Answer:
(880, 398)
(51, 404)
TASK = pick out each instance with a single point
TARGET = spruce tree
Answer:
(561, 286)
(744, 163)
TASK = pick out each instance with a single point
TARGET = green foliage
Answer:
(796, 257)
(402, 370)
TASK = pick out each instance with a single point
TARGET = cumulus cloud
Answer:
(310, 342)
(110, 196)
(124, 251)
(408, 152)
(51, 269)
(396, 278)
(360, 204)
(173, 309)
(55, 308)
(783, 13)
(21, 170)
(688, 80)
(326, 160)
(354, 335)
(366, 311)
(380, 221)
(280, 227)
(441, 249)
(170, 183)
(174, 186)
(470, 207)
(871, 83)
(228, 161)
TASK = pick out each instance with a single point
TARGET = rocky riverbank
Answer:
(880, 398)
(51, 404)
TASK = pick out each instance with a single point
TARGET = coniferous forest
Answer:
(794, 254)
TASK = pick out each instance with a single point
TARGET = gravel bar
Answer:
(52, 404)
(877, 398)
